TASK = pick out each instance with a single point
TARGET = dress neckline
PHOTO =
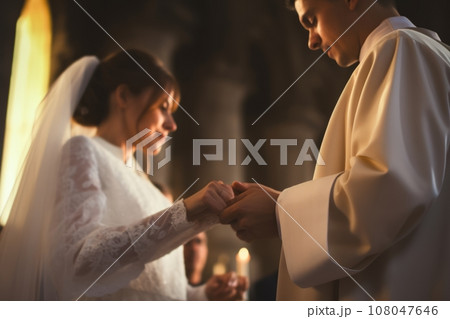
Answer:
(117, 152)
(113, 149)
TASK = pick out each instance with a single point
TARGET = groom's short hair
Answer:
(291, 3)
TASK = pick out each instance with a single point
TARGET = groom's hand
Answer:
(252, 212)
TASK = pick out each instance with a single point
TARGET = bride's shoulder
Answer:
(80, 140)
(79, 144)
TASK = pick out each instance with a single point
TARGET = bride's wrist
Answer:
(190, 205)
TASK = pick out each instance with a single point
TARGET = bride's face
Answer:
(157, 118)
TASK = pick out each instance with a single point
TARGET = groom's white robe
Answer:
(380, 206)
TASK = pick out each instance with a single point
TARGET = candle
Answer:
(219, 268)
(242, 262)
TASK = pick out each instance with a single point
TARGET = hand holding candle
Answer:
(229, 286)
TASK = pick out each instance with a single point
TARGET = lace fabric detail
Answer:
(112, 222)
(157, 228)
(178, 215)
(165, 228)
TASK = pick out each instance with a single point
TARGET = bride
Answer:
(83, 225)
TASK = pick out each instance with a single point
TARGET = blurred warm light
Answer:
(29, 83)
(219, 268)
(244, 254)
(242, 262)
(243, 265)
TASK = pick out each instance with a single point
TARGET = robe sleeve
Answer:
(397, 141)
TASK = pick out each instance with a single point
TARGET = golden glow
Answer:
(243, 263)
(29, 83)
(244, 255)
(219, 269)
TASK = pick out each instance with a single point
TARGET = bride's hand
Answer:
(211, 199)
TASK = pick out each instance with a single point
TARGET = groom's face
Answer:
(327, 21)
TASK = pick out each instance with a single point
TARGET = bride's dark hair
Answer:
(119, 69)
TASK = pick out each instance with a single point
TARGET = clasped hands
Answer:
(249, 208)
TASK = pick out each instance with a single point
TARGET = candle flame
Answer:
(244, 254)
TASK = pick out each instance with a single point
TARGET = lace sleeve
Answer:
(85, 249)
(197, 293)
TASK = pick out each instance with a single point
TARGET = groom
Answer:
(373, 223)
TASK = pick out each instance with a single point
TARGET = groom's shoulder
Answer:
(417, 41)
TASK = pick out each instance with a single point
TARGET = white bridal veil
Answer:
(24, 240)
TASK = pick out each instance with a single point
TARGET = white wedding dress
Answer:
(102, 207)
